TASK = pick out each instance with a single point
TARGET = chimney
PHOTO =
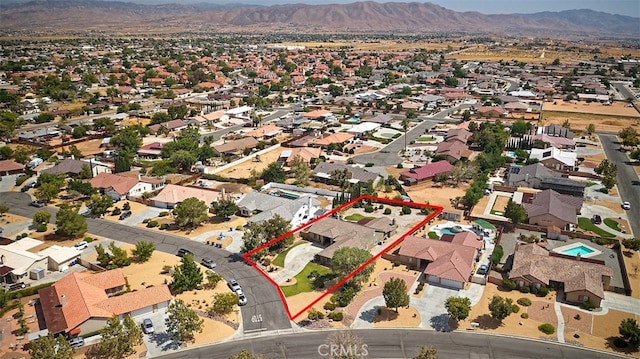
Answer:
(139, 176)
(309, 205)
(526, 178)
(63, 300)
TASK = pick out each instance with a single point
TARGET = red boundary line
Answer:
(246, 256)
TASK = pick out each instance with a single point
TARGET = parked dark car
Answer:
(183, 252)
(596, 219)
(483, 269)
(124, 215)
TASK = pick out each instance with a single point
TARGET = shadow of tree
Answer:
(386, 314)
(487, 322)
(164, 341)
(619, 345)
(440, 322)
(369, 315)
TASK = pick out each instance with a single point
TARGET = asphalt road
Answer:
(389, 155)
(396, 343)
(624, 91)
(628, 183)
(264, 311)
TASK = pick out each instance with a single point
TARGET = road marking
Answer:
(256, 318)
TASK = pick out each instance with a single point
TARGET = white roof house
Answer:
(364, 127)
(239, 110)
(567, 158)
(59, 256)
(19, 260)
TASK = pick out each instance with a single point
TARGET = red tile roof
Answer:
(428, 171)
(121, 184)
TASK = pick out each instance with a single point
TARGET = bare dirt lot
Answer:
(426, 192)
(618, 108)
(243, 170)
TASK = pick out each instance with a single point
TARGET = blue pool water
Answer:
(511, 154)
(353, 120)
(581, 250)
(447, 231)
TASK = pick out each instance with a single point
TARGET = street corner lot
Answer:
(406, 226)
(242, 170)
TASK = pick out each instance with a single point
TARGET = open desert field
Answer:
(580, 120)
(617, 109)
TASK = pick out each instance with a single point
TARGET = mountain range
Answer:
(358, 17)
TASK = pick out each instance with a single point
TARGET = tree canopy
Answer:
(346, 260)
(49, 347)
(182, 322)
(395, 293)
(458, 307)
(500, 307)
(69, 222)
(190, 213)
(186, 276)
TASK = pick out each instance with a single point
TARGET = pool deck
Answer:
(562, 249)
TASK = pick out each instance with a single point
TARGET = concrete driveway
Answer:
(7, 182)
(136, 218)
(295, 261)
(621, 302)
(160, 342)
(431, 305)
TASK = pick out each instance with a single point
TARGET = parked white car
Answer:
(626, 205)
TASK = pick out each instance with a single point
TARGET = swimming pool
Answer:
(353, 120)
(511, 154)
(582, 250)
(448, 230)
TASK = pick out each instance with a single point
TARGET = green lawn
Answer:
(612, 223)
(426, 139)
(279, 259)
(303, 284)
(433, 235)
(355, 217)
(585, 223)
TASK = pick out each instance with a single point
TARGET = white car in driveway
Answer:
(626, 205)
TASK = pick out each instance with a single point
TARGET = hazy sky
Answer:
(624, 7)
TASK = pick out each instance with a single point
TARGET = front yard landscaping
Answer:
(613, 224)
(303, 281)
(585, 224)
(355, 217)
(279, 259)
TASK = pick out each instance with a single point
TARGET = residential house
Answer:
(550, 208)
(339, 138)
(169, 126)
(172, 194)
(264, 132)
(581, 280)
(20, 258)
(322, 173)
(260, 207)
(540, 177)
(555, 158)
(458, 134)
(150, 151)
(81, 303)
(72, 168)
(320, 115)
(426, 172)
(491, 111)
(453, 151)
(443, 263)
(382, 119)
(242, 112)
(556, 131)
(553, 141)
(306, 154)
(333, 234)
(146, 184)
(364, 127)
(236, 147)
(10, 167)
(115, 186)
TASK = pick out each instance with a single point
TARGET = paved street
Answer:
(389, 155)
(396, 343)
(627, 179)
(264, 311)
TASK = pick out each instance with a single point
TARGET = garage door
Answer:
(143, 311)
(450, 283)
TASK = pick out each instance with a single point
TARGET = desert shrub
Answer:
(406, 210)
(314, 314)
(543, 291)
(368, 209)
(116, 211)
(497, 254)
(515, 308)
(344, 297)
(524, 316)
(396, 263)
(547, 328)
(41, 227)
(146, 220)
(330, 306)
(524, 289)
(163, 214)
(387, 211)
(164, 226)
(587, 306)
(399, 166)
(509, 284)
(89, 239)
(524, 302)
(335, 316)
(369, 164)
(152, 224)
(126, 206)
(534, 290)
